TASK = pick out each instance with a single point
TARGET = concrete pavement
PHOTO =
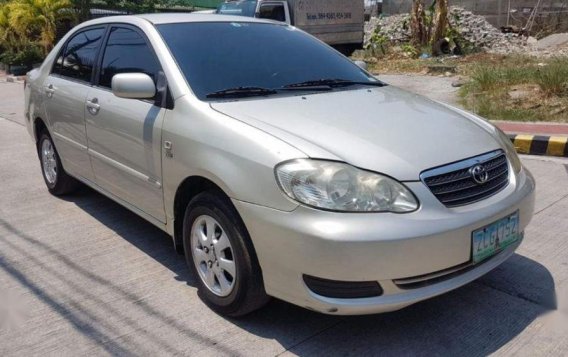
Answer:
(83, 275)
(437, 88)
(11, 99)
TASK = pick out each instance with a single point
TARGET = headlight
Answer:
(510, 150)
(340, 187)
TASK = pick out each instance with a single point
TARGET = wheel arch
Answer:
(39, 126)
(189, 188)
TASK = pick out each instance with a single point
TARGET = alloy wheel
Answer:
(49, 161)
(213, 255)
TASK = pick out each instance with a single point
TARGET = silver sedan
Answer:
(278, 166)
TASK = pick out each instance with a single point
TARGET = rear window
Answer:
(77, 59)
(220, 55)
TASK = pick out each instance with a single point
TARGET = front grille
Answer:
(459, 184)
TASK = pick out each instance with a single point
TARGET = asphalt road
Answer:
(84, 276)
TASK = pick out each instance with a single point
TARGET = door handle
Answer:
(50, 90)
(93, 106)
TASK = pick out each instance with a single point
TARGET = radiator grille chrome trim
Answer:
(454, 184)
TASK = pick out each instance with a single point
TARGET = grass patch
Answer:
(487, 78)
(553, 78)
(519, 89)
(500, 87)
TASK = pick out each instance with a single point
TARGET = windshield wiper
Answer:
(324, 84)
(242, 92)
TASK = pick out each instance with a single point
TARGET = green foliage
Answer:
(542, 89)
(28, 28)
(553, 78)
(409, 50)
(457, 39)
(378, 44)
(37, 19)
(26, 56)
(491, 77)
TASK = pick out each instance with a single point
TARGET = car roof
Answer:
(170, 18)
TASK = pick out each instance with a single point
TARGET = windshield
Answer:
(217, 56)
(238, 8)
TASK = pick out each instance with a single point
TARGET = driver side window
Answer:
(77, 59)
(127, 52)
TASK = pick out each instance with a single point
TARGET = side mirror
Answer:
(361, 64)
(133, 86)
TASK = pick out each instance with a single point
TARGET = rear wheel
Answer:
(58, 182)
(219, 252)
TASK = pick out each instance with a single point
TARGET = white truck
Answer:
(339, 23)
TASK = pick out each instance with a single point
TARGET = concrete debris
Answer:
(553, 45)
(460, 82)
(553, 41)
(474, 29)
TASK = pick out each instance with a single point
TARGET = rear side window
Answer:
(126, 51)
(78, 58)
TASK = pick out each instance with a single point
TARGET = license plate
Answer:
(492, 239)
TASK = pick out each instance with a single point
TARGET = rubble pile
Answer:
(396, 28)
(473, 28)
(481, 34)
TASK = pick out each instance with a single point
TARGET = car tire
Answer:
(219, 252)
(58, 182)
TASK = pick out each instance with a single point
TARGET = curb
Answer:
(540, 144)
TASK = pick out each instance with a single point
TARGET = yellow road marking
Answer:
(523, 143)
(556, 146)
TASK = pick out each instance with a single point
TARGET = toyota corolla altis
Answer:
(278, 166)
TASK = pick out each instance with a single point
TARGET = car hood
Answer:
(383, 129)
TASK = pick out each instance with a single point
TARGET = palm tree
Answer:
(9, 38)
(38, 18)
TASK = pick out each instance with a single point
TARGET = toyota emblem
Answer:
(479, 174)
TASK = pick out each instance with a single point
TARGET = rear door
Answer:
(65, 91)
(125, 134)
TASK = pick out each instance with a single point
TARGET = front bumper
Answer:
(378, 247)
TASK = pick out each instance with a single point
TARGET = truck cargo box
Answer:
(336, 22)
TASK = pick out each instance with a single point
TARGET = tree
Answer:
(440, 22)
(83, 8)
(9, 38)
(429, 27)
(38, 18)
(417, 26)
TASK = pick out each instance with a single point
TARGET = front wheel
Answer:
(58, 182)
(220, 253)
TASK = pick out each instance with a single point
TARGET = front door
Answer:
(66, 90)
(125, 134)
